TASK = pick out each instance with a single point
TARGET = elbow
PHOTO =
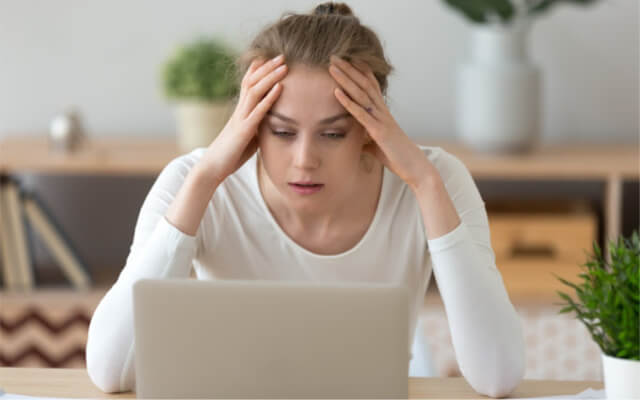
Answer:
(104, 366)
(501, 382)
(506, 384)
(500, 377)
(501, 386)
(102, 378)
(509, 363)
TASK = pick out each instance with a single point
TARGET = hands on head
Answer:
(238, 141)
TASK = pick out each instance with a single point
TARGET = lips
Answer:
(306, 187)
(306, 183)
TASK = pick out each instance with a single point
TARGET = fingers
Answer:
(257, 84)
(356, 93)
(261, 70)
(259, 90)
(367, 120)
(366, 70)
(255, 64)
(365, 83)
(265, 104)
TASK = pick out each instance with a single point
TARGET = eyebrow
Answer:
(324, 121)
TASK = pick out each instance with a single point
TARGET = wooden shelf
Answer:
(608, 163)
(574, 161)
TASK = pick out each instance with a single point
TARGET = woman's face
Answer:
(308, 137)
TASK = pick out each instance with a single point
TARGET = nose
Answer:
(306, 155)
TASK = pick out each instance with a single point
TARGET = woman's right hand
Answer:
(237, 141)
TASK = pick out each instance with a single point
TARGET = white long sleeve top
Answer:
(238, 238)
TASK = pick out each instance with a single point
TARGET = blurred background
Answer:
(105, 60)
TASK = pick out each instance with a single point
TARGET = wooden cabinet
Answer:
(530, 248)
(534, 238)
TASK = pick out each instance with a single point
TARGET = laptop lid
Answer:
(270, 339)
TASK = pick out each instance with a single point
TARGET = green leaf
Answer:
(478, 11)
(608, 295)
(545, 5)
(203, 69)
(565, 310)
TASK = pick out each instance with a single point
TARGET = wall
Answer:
(104, 57)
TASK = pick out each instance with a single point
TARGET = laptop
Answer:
(270, 339)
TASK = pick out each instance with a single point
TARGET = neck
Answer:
(334, 216)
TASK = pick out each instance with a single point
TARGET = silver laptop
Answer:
(270, 339)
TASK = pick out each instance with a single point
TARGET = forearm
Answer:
(485, 329)
(438, 211)
(166, 253)
(188, 207)
(492, 358)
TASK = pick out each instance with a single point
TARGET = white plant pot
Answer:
(621, 377)
(498, 92)
(200, 122)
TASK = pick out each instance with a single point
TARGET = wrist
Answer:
(423, 175)
(205, 175)
(428, 180)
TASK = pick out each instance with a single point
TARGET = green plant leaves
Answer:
(202, 70)
(609, 298)
(545, 5)
(479, 11)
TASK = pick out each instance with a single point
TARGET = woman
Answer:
(313, 179)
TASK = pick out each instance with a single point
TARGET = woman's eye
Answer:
(282, 133)
(335, 135)
(330, 135)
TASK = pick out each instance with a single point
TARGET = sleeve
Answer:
(486, 331)
(158, 250)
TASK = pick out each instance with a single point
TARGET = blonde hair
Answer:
(311, 39)
(331, 29)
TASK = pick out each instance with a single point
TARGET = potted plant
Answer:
(200, 78)
(608, 304)
(498, 88)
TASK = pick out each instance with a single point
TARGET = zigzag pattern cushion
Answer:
(45, 328)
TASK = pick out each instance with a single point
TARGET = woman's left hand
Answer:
(360, 94)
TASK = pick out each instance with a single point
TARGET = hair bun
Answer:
(331, 8)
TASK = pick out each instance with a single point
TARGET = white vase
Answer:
(498, 91)
(200, 122)
(621, 377)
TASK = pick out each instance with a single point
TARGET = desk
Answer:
(76, 383)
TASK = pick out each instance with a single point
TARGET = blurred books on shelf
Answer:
(17, 266)
(55, 239)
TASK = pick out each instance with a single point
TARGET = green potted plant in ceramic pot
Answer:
(608, 304)
(498, 88)
(200, 78)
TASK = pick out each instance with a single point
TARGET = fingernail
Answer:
(278, 58)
